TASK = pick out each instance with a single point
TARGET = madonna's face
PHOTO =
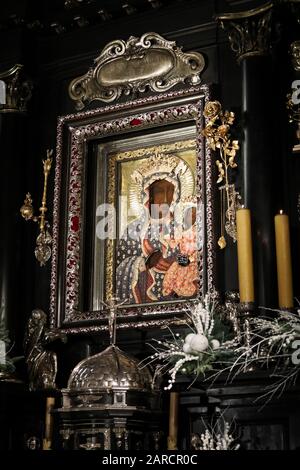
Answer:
(161, 194)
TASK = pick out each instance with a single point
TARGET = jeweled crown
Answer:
(159, 163)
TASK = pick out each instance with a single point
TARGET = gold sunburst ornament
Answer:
(217, 133)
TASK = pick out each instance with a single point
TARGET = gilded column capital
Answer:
(248, 31)
(295, 53)
(15, 90)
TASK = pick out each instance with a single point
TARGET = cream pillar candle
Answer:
(284, 262)
(245, 255)
(47, 441)
(173, 421)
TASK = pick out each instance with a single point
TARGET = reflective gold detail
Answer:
(222, 242)
(44, 239)
(217, 133)
(27, 208)
(161, 150)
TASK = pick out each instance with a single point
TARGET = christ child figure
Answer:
(182, 277)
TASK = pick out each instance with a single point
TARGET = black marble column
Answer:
(293, 160)
(249, 35)
(13, 165)
(259, 162)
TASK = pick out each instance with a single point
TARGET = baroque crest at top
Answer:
(150, 62)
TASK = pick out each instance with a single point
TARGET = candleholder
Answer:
(43, 241)
(230, 202)
(246, 311)
(231, 304)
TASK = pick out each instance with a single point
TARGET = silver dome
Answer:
(110, 369)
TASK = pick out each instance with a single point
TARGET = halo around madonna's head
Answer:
(158, 167)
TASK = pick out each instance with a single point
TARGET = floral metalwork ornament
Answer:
(217, 132)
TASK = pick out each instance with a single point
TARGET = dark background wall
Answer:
(54, 48)
(52, 60)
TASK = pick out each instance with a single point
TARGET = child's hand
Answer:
(171, 242)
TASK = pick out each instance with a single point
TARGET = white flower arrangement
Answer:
(199, 350)
(208, 347)
(220, 439)
(268, 343)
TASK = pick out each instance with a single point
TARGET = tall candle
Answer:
(245, 256)
(173, 421)
(47, 441)
(284, 262)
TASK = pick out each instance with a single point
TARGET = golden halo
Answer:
(185, 178)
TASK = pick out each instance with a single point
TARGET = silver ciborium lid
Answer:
(110, 369)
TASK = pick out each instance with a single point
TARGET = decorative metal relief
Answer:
(16, 90)
(150, 62)
(217, 132)
(248, 31)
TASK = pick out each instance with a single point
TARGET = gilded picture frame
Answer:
(96, 153)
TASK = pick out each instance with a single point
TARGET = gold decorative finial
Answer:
(217, 132)
(44, 239)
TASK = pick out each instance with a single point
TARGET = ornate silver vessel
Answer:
(109, 379)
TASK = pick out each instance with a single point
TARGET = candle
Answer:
(47, 441)
(245, 257)
(284, 262)
(173, 421)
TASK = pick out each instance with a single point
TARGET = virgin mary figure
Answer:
(145, 252)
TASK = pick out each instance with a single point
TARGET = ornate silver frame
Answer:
(74, 132)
